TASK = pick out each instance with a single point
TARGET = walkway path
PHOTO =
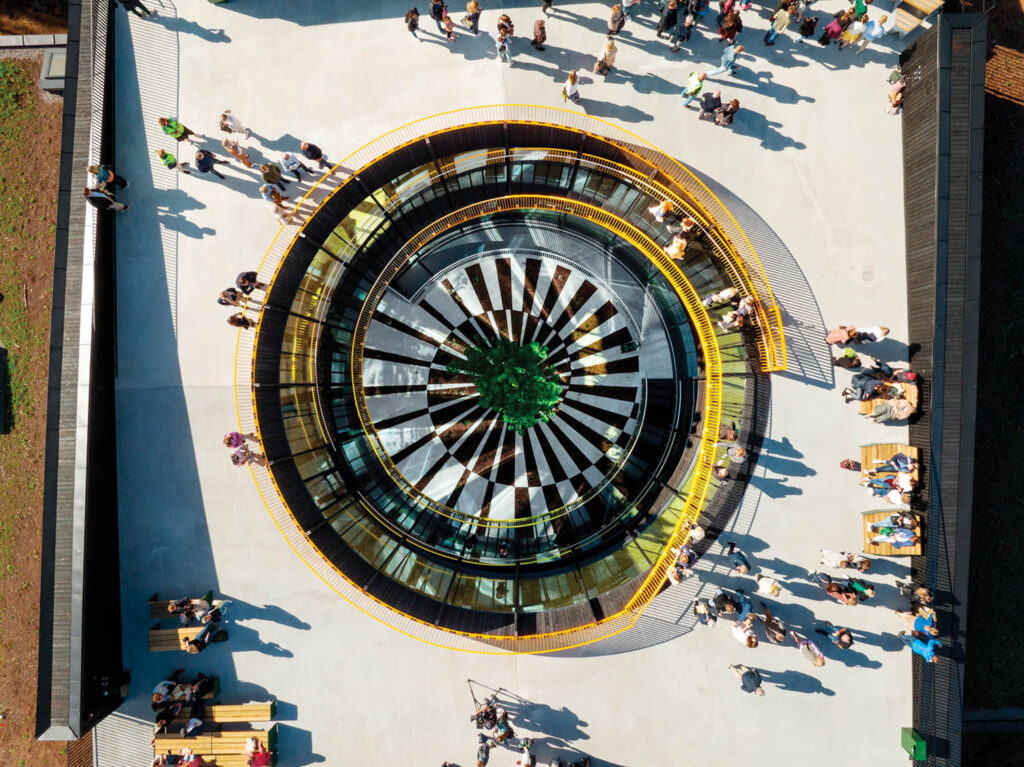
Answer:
(813, 153)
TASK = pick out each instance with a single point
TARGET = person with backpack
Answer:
(412, 22)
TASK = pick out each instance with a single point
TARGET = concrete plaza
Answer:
(812, 152)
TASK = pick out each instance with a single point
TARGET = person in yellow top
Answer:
(176, 130)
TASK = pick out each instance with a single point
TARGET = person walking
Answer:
(669, 17)
(271, 195)
(412, 22)
(682, 30)
(505, 25)
(736, 557)
(231, 124)
(922, 645)
(472, 18)
(102, 200)
(774, 628)
(702, 610)
(239, 320)
(546, 6)
(727, 113)
(694, 84)
(808, 28)
(438, 10)
(292, 163)
(104, 175)
(176, 130)
(540, 35)
(570, 90)
(808, 649)
(247, 282)
(731, 26)
(171, 162)
(834, 29)
(270, 172)
(617, 20)
(449, 27)
(629, 7)
(841, 637)
(779, 22)
(842, 560)
(206, 162)
(873, 30)
(503, 45)
(852, 33)
(136, 7)
(237, 151)
(606, 60)
(750, 678)
(313, 152)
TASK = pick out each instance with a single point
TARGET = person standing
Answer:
(841, 637)
(629, 7)
(617, 20)
(412, 22)
(727, 65)
(808, 649)
(669, 17)
(270, 172)
(449, 27)
(102, 200)
(702, 610)
(540, 35)
(682, 30)
(206, 162)
(313, 152)
(136, 7)
(171, 163)
(292, 163)
(606, 60)
(231, 124)
(176, 130)
(271, 195)
(750, 678)
(438, 10)
(105, 175)
(779, 21)
(873, 30)
(853, 32)
(737, 559)
(570, 90)
(472, 20)
(694, 84)
(237, 151)
(546, 6)
(247, 282)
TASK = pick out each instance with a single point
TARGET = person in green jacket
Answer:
(694, 84)
(171, 162)
(176, 130)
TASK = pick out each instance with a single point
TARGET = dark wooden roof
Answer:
(942, 156)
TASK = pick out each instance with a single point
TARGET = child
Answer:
(449, 26)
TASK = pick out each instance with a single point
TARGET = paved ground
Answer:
(813, 152)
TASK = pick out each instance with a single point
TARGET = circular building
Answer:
(489, 396)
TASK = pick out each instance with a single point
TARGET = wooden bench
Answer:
(870, 453)
(170, 640)
(226, 747)
(242, 713)
(887, 549)
(158, 607)
(910, 13)
(911, 393)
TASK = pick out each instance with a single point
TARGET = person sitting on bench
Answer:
(897, 537)
(198, 643)
(186, 608)
(256, 754)
(900, 462)
(906, 521)
(169, 691)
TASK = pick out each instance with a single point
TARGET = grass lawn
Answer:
(29, 159)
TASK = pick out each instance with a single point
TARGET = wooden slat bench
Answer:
(887, 549)
(170, 640)
(226, 747)
(870, 453)
(910, 13)
(158, 607)
(911, 393)
(242, 713)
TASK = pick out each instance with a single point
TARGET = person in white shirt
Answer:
(231, 124)
(873, 30)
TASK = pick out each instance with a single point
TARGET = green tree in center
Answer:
(514, 380)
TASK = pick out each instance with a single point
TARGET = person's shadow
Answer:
(795, 681)
(774, 487)
(184, 227)
(749, 122)
(243, 610)
(189, 27)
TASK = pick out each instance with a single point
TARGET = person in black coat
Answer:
(102, 200)
(669, 17)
